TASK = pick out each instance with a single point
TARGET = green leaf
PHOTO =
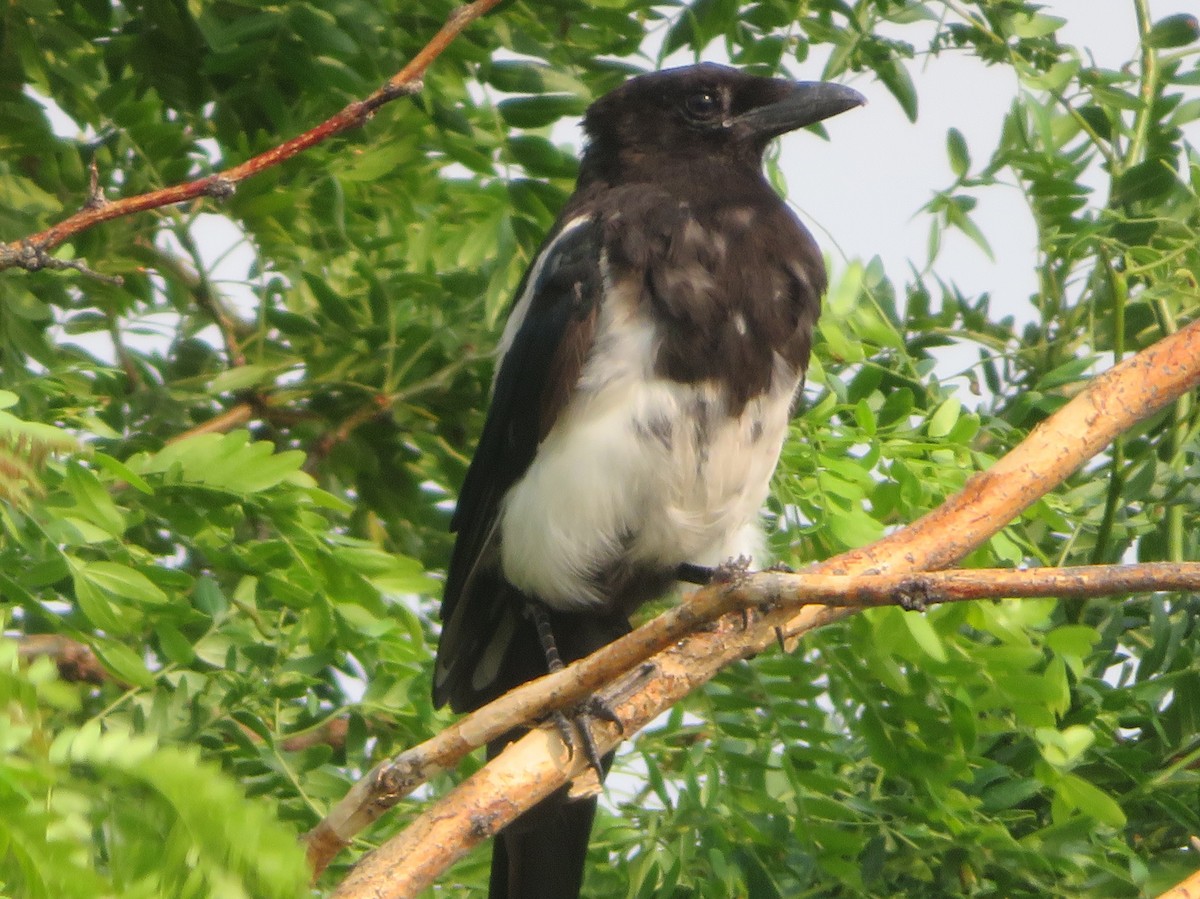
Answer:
(175, 646)
(1081, 795)
(239, 845)
(864, 417)
(956, 149)
(208, 598)
(241, 377)
(1055, 78)
(92, 501)
(1073, 640)
(541, 158)
(121, 471)
(225, 462)
(121, 582)
(1146, 181)
(957, 216)
(853, 527)
(376, 161)
(537, 111)
(896, 78)
(927, 638)
(942, 421)
(99, 607)
(1063, 748)
(123, 663)
(1176, 30)
(1033, 25)
(521, 77)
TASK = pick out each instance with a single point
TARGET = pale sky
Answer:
(879, 169)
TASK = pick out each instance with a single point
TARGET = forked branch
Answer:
(536, 765)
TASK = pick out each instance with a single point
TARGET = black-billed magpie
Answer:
(645, 380)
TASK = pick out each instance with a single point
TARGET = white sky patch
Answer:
(229, 258)
(61, 124)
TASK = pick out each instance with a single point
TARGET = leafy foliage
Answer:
(96, 811)
(232, 488)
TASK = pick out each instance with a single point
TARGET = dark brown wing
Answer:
(535, 378)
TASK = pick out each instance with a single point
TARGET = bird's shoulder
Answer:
(732, 278)
(545, 341)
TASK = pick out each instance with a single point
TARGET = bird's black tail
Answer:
(541, 855)
(489, 647)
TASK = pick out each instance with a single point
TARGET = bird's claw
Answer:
(562, 724)
(590, 750)
(580, 737)
(596, 706)
(914, 596)
(732, 571)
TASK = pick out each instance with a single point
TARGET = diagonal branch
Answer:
(393, 780)
(32, 252)
(539, 763)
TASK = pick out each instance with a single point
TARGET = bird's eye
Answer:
(702, 105)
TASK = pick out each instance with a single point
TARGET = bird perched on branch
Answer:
(646, 376)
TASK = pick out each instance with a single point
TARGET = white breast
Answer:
(640, 470)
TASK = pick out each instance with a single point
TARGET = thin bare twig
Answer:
(372, 409)
(203, 294)
(33, 252)
(233, 417)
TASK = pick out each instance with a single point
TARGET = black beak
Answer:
(802, 103)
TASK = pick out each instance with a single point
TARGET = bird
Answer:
(645, 379)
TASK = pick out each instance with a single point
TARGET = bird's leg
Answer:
(691, 573)
(536, 613)
(729, 572)
(703, 575)
(593, 707)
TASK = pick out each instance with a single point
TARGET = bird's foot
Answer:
(592, 708)
(575, 730)
(914, 595)
(597, 707)
(732, 571)
(576, 733)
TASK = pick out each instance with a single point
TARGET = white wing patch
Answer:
(520, 309)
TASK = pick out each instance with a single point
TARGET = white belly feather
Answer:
(641, 469)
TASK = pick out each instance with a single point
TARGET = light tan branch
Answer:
(390, 781)
(1189, 887)
(534, 766)
(233, 417)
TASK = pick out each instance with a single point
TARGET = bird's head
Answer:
(707, 111)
